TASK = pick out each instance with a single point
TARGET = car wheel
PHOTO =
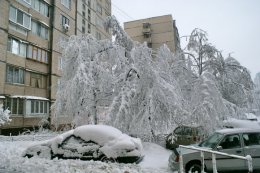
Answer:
(107, 160)
(194, 168)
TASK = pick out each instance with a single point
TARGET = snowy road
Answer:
(155, 161)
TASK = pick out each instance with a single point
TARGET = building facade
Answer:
(155, 31)
(30, 55)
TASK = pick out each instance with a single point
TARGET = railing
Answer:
(214, 153)
(26, 138)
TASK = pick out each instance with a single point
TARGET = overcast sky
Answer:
(233, 26)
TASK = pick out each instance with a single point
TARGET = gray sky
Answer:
(233, 26)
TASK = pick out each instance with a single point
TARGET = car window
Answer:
(182, 130)
(212, 141)
(231, 141)
(251, 139)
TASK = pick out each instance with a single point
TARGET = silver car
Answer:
(241, 142)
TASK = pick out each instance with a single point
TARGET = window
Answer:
(38, 80)
(83, 7)
(39, 107)
(27, 1)
(251, 139)
(84, 14)
(60, 63)
(99, 8)
(230, 141)
(89, 3)
(83, 22)
(40, 30)
(19, 17)
(14, 75)
(64, 20)
(37, 54)
(83, 29)
(41, 6)
(89, 28)
(16, 47)
(98, 35)
(66, 3)
(15, 105)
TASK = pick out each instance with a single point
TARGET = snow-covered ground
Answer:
(155, 161)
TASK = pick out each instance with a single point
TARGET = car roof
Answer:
(238, 130)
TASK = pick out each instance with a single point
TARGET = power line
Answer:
(122, 11)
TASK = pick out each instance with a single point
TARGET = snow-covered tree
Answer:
(256, 94)
(4, 115)
(234, 82)
(150, 100)
(200, 52)
(87, 80)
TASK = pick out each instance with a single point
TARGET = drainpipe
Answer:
(52, 20)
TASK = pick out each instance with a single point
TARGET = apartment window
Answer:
(84, 7)
(98, 35)
(64, 20)
(99, 8)
(19, 17)
(83, 22)
(38, 80)
(27, 1)
(39, 107)
(83, 14)
(99, 22)
(60, 63)
(83, 29)
(16, 47)
(14, 75)
(15, 105)
(66, 3)
(40, 30)
(108, 5)
(41, 6)
(89, 28)
(89, 3)
(37, 54)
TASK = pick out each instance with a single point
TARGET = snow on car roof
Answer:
(97, 133)
(237, 130)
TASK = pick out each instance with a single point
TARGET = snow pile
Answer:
(11, 161)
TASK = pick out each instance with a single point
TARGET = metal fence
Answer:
(25, 138)
(248, 158)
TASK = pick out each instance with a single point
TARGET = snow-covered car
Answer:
(90, 142)
(237, 141)
(184, 135)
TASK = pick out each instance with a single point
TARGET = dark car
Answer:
(184, 135)
(90, 142)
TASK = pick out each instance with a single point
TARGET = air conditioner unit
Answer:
(66, 27)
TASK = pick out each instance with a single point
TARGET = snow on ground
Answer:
(155, 161)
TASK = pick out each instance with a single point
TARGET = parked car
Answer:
(90, 142)
(236, 141)
(184, 135)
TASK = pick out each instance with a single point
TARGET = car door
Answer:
(252, 147)
(230, 144)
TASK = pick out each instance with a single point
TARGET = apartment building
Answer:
(90, 17)
(30, 55)
(154, 31)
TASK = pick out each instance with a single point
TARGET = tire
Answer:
(194, 168)
(107, 160)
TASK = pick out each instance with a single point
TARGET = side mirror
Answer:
(219, 148)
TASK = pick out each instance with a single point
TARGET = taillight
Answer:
(177, 159)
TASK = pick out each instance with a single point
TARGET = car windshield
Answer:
(211, 141)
